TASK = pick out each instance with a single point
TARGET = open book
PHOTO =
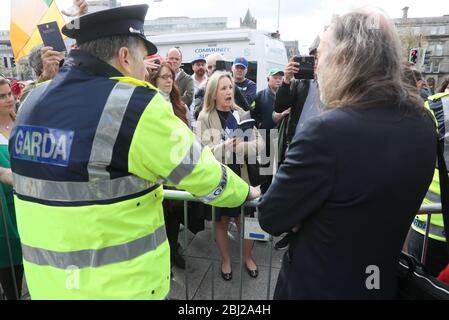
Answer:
(244, 130)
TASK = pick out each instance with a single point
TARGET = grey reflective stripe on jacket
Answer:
(187, 165)
(433, 230)
(100, 186)
(219, 190)
(433, 197)
(95, 258)
(445, 105)
(80, 191)
(107, 131)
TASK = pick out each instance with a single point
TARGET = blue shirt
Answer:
(264, 107)
(312, 106)
(248, 89)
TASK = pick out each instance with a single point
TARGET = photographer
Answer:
(301, 95)
(152, 64)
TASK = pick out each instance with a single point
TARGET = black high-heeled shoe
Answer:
(253, 273)
(226, 276)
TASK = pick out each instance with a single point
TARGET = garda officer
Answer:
(437, 255)
(90, 151)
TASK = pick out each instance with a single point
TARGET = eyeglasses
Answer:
(166, 77)
(5, 95)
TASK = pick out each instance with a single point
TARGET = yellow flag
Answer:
(25, 16)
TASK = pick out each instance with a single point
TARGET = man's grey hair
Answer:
(362, 63)
(106, 49)
(35, 60)
(213, 58)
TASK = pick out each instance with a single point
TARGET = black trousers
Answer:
(437, 253)
(173, 214)
(7, 282)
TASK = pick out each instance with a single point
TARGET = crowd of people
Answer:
(97, 137)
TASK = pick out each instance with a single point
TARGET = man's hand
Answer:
(286, 112)
(50, 63)
(290, 70)
(151, 67)
(79, 8)
(254, 193)
(230, 144)
(82, 5)
(279, 116)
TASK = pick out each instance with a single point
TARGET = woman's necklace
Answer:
(5, 129)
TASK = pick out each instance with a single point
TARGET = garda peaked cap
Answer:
(120, 21)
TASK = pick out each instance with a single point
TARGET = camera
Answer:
(306, 67)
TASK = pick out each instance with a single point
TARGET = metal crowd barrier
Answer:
(186, 197)
(428, 210)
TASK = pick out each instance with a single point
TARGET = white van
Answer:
(261, 50)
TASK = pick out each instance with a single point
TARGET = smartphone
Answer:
(157, 59)
(306, 67)
(51, 36)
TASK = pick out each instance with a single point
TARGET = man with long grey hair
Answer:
(346, 188)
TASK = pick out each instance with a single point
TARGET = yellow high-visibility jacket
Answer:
(90, 152)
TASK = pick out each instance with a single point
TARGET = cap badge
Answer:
(132, 30)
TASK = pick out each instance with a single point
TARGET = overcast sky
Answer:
(299, 19)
